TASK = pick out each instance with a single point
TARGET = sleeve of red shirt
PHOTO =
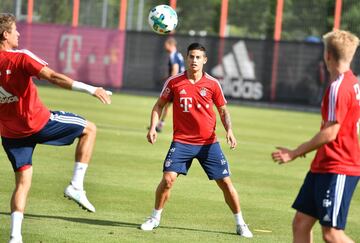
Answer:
(218, 95)
(167, 92)
(338, 104)
(31, 63)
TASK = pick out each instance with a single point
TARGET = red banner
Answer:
(90, 55)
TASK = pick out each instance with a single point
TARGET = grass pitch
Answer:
(126, 169)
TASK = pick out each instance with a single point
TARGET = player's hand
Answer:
(231, 140)
(283, 155)
(103, 95)
(152, 136)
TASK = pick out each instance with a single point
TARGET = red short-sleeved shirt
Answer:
(21, 111)
(341, 104)
(194, 119)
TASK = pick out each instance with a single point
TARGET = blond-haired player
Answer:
(25, 122)
(329, 185)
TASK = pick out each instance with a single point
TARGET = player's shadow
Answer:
(101, 222)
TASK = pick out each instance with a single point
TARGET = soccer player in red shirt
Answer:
(335, 170)
(194, 93)
(26, 122)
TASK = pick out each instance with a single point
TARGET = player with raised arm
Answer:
(26, 122)
(329, 185)
(194, 93)
(176, 65)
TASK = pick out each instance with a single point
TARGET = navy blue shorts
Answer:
(326, 197)
(62, 129)
(211, 158)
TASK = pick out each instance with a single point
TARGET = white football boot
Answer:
(150, 224)
(15, 240)
(79, 196)
(243, 230)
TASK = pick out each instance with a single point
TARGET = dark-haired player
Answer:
(176, 65)
(194, 93)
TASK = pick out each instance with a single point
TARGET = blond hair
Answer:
(341, 44)
(6, 21)
(171, 41)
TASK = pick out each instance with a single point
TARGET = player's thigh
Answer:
(334, 193)
(62, 129)
(213, 161)
(19, 151)
(179, 158)
(305, 201)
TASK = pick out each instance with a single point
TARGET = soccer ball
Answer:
(162, 19)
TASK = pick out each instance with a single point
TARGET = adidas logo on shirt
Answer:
(183, 92)
(6, 97)
(225, 172)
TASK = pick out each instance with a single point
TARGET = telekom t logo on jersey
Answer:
(185, 103)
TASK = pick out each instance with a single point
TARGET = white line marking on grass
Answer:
(262, 231)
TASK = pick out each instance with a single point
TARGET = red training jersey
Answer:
(21, 111)
(341, 104)
(194, 119)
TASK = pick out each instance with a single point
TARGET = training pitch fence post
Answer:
(122, 17)
(172, 4)
(277, 38)
(75, 15)
(337, 14)
(223, 18)
(29, 20)
(222, 29)
(30, 10)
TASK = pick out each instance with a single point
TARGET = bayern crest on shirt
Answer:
(203, 91)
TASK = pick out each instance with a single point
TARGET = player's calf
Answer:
(22, 188)
(18, 202)
(86, 143)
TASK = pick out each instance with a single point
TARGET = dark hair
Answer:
(6, 20)
(196, 46)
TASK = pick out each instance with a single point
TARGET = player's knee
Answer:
(23, 186)
(328, 237)
(225, 185)
(23, 178)
(332, 235)
(168, 182)
(91, 128)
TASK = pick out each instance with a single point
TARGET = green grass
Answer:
(126, 169)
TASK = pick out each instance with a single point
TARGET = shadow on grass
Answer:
(101, 222)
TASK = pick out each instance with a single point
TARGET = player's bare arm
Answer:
(155, 116)
(65, 82)
(226, 121)
(327, 134)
